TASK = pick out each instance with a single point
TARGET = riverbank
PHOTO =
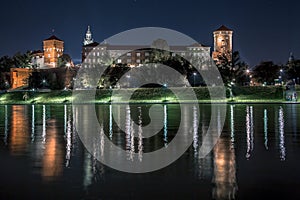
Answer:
(149, 95)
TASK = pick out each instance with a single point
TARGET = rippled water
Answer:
(256, 157)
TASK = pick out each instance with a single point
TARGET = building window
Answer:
(138, 61)
(128, 54)
(119, 61)
(48, 55)
(138, 54)
(128, 60)
(147, 54)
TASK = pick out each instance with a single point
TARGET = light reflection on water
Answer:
(45, 136)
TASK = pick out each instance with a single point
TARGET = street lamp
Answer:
(194, 76)
(110, 89)
(248, 76)
(44, 82)
(128, 80)
(165, 88)
(280, 77)
(65, 93)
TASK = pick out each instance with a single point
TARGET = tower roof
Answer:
(223, 28)
(53, 37)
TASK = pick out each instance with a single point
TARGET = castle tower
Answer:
(88, 37)
(222, 44)
(53, 49)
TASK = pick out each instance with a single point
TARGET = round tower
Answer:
(222, 44)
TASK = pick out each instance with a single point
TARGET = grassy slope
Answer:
(150, 95)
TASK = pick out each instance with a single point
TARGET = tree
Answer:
(233, 71)
(22, 60)
(63, 60)
(6, 63)
(292, 70)
(266, 72)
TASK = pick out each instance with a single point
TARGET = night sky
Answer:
(263, 30)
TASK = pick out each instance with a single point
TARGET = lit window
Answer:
(98, 54)
(48, 55)
(128, 54)
(138, 61)
(138, 54)
(119, 61)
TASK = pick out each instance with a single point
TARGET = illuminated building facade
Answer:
(53, 49)
(19, 77)
(132, 55)
(222, 44)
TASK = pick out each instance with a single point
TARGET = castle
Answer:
(92, 52)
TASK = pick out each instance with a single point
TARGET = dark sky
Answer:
(263, 30)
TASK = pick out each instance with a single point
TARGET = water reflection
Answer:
(249, 130)
(5, 125)
(281, 134)
(165, 125)
(19, 136)
(53, 153)
(68, 134)
(266, 128)
(45, 136)
(224, 178)
(44, 124)
(232, 125)
(32, 122)
(195, 129)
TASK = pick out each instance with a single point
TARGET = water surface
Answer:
(256, 157)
